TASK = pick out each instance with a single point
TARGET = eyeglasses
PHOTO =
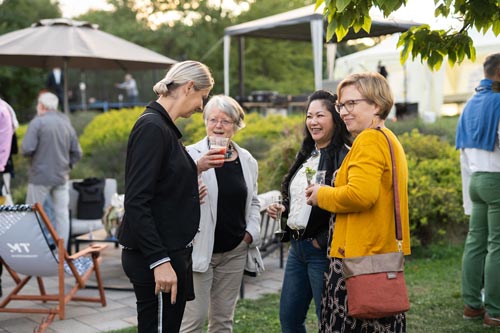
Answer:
(214, 122)
(349, 105)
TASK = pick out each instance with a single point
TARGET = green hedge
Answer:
(435, 193)
(435, 188)
(108, 127)
(434, 185)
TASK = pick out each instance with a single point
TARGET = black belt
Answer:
(297, 233)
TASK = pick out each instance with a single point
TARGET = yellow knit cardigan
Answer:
(363, 198)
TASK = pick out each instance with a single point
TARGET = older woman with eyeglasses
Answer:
(363, 197)
(230, 219)
(326, 142)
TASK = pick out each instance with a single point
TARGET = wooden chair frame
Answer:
(61, 297)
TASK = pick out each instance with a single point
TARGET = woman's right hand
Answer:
(212, 159)
(166, 280)
(272, 210)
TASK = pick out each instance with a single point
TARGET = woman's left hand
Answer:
(312, 194)
(248, 238)
(203, 190)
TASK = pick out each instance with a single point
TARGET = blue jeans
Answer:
(304, 275)
(482, 247)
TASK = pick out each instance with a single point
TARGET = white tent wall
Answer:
(414, 82)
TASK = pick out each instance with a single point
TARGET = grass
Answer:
(433, 278)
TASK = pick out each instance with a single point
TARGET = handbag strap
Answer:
(397, 212)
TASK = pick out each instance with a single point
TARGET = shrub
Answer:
(280, 157)
(444, 127)
(434, 188)
(273, 140)
(108, 127)
(263, 133)
(435, 192)
(257, 137)
(104, 145)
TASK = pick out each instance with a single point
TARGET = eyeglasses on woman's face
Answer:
(350, 104)
(223, 122)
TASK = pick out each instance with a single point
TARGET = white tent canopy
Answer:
(302, 24)
(414, 82)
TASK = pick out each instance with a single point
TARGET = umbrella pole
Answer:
(66, 104)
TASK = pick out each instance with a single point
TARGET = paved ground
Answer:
(120, 310)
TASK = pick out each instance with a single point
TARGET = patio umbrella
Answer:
(67, 43)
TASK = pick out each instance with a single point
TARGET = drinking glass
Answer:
(320, 177)
(218, 142)
(278, 203)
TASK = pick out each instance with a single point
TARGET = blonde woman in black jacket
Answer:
(162, 202)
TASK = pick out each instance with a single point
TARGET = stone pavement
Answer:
(120, 312)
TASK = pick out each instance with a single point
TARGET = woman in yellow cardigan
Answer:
(363, 196)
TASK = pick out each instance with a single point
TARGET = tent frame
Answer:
(301, 24)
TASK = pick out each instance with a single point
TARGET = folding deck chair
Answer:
(29, 245)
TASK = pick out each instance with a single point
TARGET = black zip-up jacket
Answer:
(162, 206)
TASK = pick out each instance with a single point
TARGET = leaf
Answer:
(367, 24)
(330, 30)
(406, 40)
(496, 27)
(391, 6)
(342, 4)
(341, 32)
(318, 4)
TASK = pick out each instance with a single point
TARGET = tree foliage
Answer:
(269, 64)
(19, 86)
(431, 45)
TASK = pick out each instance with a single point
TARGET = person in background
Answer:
(230, 220)
(363, 196)
(326, 142)
(382, 70)
(162, 200)
(6, 134)
(130, 87)
(8, 125)
(6, 162)
(55, 84)
(52, 146)
(478, 135)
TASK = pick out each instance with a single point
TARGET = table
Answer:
(97, 236)
(108, 270)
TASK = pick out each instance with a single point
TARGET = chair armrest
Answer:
(94, 248)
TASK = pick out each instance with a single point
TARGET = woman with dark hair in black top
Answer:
(326, 142)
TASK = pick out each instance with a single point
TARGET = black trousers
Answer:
(155, 313)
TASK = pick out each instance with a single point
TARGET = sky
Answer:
(416, 10)
(72, 8)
